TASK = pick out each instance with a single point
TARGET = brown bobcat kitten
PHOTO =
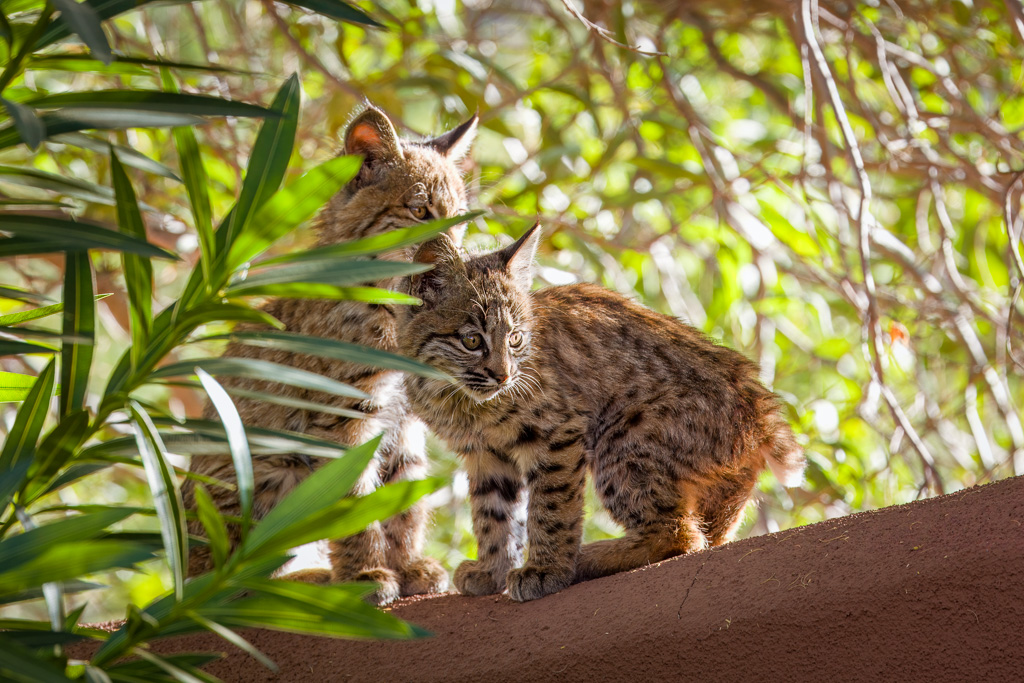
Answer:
(400, 183)
(673, 427)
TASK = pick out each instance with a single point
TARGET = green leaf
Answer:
(316, 492)
(151, 101)
(377, 244)
(214, 524)
(166, 495)
(10, 348)
(288, 401)
(128, 156)
(31, 314)
(28, 124)
(79, 321)
(67, 186)
(72, 560)
(19, 446)
(37, 592)
(138, 271)
(229, 311)
(73, 119)
(267, 164)
(105, 9)
(122, 64)
(14, 386)
(291, 206)
(196, 184)
(331, 348)
(55, 450)
(328, 272)
(76, 235)
(18, 294)
(83, 20)
(351, 515)
(337, 611)
(305, 290)
(237, 442)
(209, 439)
(17, 550)
(18, 664)
(260, 369)
(335, 9)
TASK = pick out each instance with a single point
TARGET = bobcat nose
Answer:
(501, 376)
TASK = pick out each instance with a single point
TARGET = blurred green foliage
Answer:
(713, 182)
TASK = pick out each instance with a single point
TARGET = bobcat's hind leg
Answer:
(404, 457)
(273, 479)
(723, 504)
(363, 557)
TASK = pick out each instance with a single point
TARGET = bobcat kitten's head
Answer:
(476, 319)
(400, 183)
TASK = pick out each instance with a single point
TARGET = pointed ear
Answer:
(444, 255)
(519, 257)
(372, 136)
(455, 143)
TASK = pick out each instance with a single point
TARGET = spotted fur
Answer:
(399, 184)
(673, 428)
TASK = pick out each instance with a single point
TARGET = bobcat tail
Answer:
(784, 456)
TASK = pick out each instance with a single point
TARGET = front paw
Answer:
(471, 578)
(531, 582)
(389, 586)
(423, 575)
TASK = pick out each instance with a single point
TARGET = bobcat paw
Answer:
(422, 575)
(388, 584)
(314, 575)
(473, 579)
(531, 582)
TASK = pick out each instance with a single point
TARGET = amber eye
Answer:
(515, 339)
(472, 341)
(418, 212)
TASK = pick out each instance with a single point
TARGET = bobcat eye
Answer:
(418, 212)
(515, 339)
(472, 341)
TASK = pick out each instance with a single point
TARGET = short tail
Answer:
(783, 455)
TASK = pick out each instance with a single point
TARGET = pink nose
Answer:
(502, 378)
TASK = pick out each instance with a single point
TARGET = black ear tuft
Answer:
(455, 143)
(519, 257)
(442, 253)
(372, 136)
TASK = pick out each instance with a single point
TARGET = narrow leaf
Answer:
(72, 560)
(9, 348)
(138, 271)
(79, 321)
(166, 495)
(291, 206)
(335, 9)
(214, 524)
(17, 550)
(318, 491)
(128, 156)
(28, 124)
(267, 164)
(329, 272)
(235, 639)
(14, 386)
(260, 369)
(19, 446)
(73, 119)
(31, 314)
(76, 235)
(237, 442)
(331, 348)
(305, 290)
(377, 244)
(196, 185)
(83, 20)
(151, 101)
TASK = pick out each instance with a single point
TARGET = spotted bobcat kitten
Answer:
(399, 184)
(673, 427)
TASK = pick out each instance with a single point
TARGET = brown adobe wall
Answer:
(929, 591)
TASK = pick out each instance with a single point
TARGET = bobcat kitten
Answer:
(399, 184)
(673, 427)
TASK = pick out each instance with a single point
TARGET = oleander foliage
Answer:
(76, 418)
